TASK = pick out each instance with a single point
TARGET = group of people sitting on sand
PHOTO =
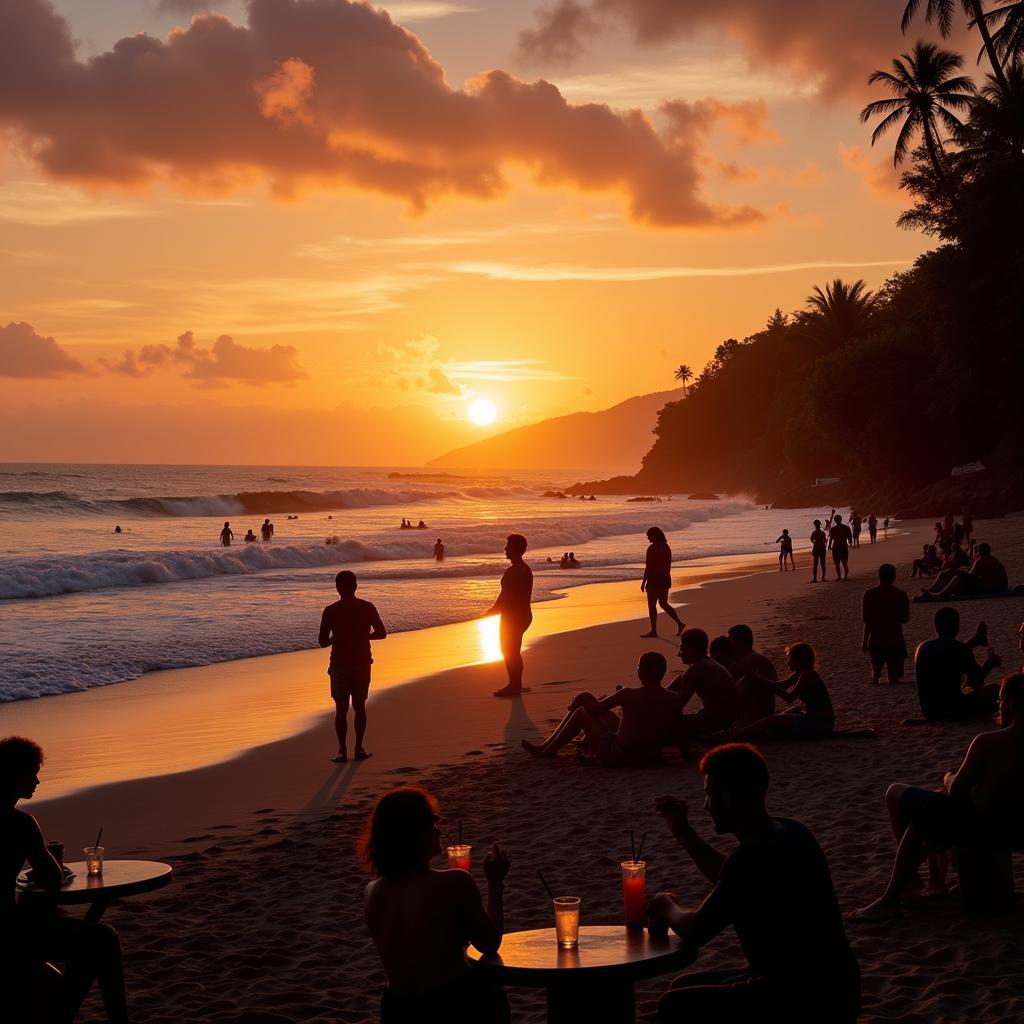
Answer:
(735, 700)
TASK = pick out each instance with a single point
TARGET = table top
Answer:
(604, 951)
(119, 878)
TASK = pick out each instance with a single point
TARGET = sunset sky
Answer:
(312, 231)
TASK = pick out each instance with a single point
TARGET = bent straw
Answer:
(632, 843)
(543, 881)
(640, 852)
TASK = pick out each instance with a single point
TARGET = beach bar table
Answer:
(120, 878)
(591, 981)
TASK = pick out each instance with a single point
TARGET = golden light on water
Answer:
(490, 642)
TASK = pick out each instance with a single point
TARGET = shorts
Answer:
(659, 584)
(892, 656)
(942, 821)
(353, 682)
(813, 725)
(840, 554)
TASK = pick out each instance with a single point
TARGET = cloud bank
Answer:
(323, 94)
(25, 353)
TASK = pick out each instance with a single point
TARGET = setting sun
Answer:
(482, 412)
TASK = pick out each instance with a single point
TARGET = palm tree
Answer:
(941, 12)
(925, 92)
(684, 374)
(1008, 38)
(839, 313)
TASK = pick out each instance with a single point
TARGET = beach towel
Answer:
(1017, 590)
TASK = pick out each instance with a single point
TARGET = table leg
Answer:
(96, 911)
(610, 1002)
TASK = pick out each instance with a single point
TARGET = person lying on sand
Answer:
(651, 718)
(31, 930)
(817, 718)
(755, 676)
(422, 919)
(705, 679)
(943, 664)
(979, 805)
(775, 889)
(986, 576)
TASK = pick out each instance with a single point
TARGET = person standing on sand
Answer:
(226, 536)
(885, 610)
(855, 522)
(348, 626)
(32, 931)
(438, 551)
(267, 531)
(819, 547)
(785, 543)
(873, 527)
(839, 540)
(775, 889)
(513, 605)
(657, 581)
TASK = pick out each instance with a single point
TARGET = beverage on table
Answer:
(634, 891)
(94, 860)
(567, 920)
(459, 856)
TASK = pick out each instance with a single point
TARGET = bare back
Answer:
(650, 719)
(1000, 764)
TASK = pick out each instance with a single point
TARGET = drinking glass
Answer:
(94, 860)
(458, 856)
(634, 886)
(567, 920)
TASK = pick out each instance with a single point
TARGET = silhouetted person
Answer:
(873, 527)
(819, 547)
(438, 551)
(785, 543)
(721, 650)
(250, 537)
(650, 720)
(775, 889)
(980, 805)
(117, 529)
(885, 610)
(226, 536)
(928, 564)
(348, 626)
(710, 682)
(855, 524)
(657, 581)
(422, 919)
(967, 522)
(421, 525)
(513, 605)
(943, 664)
(986, 576)
(839, 540)
(755, 676)
(33, 930)
(885, 525)
(267, 531)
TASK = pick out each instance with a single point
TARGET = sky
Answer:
(314, 231)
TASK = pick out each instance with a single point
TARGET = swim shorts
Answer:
(891, 655)
(349, 682)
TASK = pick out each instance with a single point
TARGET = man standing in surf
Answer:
(513, 605)
(348, 626)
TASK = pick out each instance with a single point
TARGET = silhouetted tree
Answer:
(684, 374)
(1008, 37)
(925, 92)
(838, 314)
(941, 12)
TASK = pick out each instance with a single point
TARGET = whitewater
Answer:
(83, 606)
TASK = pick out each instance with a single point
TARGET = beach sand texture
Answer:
(264, 920)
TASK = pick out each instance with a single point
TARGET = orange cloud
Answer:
(879, 176)
(321, 93)
(835, 44)
(25, 353)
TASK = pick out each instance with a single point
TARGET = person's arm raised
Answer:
(485, 928)
(707, 859)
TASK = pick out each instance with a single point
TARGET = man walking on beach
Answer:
(348, 626)
(513, 605)
(839, 540)
(885, 610)
(775, 889)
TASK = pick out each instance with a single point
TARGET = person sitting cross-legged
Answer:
(775, 889)
(711, 683)
(651, 719)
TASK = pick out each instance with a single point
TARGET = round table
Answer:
(120, 878)
(593, 980)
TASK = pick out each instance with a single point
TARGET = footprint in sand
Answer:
(472, 753)
(198, 839)
(402, 771)
(263, 810)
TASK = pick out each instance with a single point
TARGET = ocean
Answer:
(83, 606)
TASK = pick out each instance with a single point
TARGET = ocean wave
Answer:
(51, 576)
(242, 503)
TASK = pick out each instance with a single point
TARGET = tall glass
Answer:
(567, 920)
(459, 856)
(634, 891)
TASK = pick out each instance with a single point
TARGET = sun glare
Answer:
(489, 630)
(482, 412)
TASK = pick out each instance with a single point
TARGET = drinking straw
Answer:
(640, 852)
(99, 836)
(544, 882)
(632, 843)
